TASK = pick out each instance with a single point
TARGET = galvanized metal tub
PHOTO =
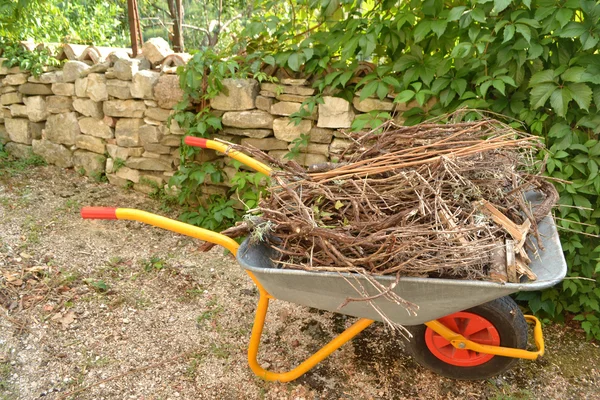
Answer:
(435, 297)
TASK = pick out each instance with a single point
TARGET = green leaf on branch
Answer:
(541, 93)
(582, 94)
(559, 100)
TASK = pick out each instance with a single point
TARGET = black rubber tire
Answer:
(506, 317)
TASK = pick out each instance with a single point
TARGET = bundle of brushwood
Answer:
(432, 200)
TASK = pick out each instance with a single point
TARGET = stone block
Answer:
(266, 144)
(288, 89)
(88, 107)
(18, 111)
(294, 82)
(125, 68)
(8, 89)
(124, 108)
(37, 109)
(335, 113)
(313, 148)
(237, 95)
(119, 89)
(59, 104)
(148, 164)
(93, 144)
(167, 91)
(22, 130)
(264, 103)
(158, 114)
(285, 129)
(338, 146)
(157, 148)
(96, 87)
(320, 135)
(156, 49)
(63, 89)
(292, 97)
(286, 108)
(171, 140)
(11, 98)
(92, 163)
(254, 119)
(96, 127)
(48, 77)
(149, 134)
(35, 89)
(370, 104)
(305, 159)
(132, 175)
(3, 134)
(18, 150)
(53, 153)
(143, 84)
(127, 132)
(81, 87)
(123, 153)
(116, 181)
(62, 128)
(15, 79)
(266, 93)
(252, 133)
(72, 70)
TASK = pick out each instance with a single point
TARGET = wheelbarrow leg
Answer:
(309, 363)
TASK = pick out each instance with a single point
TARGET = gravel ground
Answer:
(119, 310)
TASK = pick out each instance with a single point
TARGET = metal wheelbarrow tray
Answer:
(463, 329)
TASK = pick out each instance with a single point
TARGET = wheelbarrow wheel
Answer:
(497, 323)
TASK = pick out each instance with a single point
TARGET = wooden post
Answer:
(134, 22)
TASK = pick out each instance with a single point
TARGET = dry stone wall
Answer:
(108, 115)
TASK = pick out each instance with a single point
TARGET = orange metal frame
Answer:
(454, 338)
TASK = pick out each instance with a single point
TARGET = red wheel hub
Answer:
(472, 327)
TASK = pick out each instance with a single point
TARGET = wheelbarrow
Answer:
(463, 329)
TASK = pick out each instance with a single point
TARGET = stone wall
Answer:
(107, 115)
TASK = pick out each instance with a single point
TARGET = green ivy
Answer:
(36, 61)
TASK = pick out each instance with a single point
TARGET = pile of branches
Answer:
(432, 200)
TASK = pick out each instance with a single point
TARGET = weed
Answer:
(118, 163)
(220, 351)
(192, 368)
(209, 315)
(99, 177)
(155, 263)
(81, 171)
(98, 285)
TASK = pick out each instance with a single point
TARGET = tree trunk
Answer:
(176, 11)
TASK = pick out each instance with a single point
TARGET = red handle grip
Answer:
(99, 213)
(195, 141)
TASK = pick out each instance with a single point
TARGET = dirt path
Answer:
(117, 310)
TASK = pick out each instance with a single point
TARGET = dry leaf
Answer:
(67, 319)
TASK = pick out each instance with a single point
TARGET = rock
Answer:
(297, 90)
(171, 140)
(18, 111)
(320, 135)
(35, 89)
(11, 98)
(16, 79)
(149, 164)
(129, 174)
(81, 87)
(37, 109)
(8, 89)
(116, 181)
(89, 108)
(96, 127)
(266, 144)
(22, 130)
(292, 97)
(294, 82)
(110, 121)
(125, 68)
(370, 104)
(305, 159)
(335, 113)
(158, 114)
(3, 134)
(127, 132)
(119, 89)
(167, 91)
(59, 104)
(62, 128)
(149, 134)
(237, 95)
(143, 84)
(49, 77)
(266, 93)
(72, 70)
(96, 87)
(123, 153)
(18, 150)
(124, 108)
(255, 119)
(264, 103)
(157, 148)
(53, 153)
(285, 129)
(286, 108)
(63, 89)
(156, 49)
(92, 163)
(252, 133)
(100, 68)
(338, 146)
(93, 144)
(313, 148)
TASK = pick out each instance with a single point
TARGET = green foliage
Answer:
(534, 61)
(153, 264)
(35, 61)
